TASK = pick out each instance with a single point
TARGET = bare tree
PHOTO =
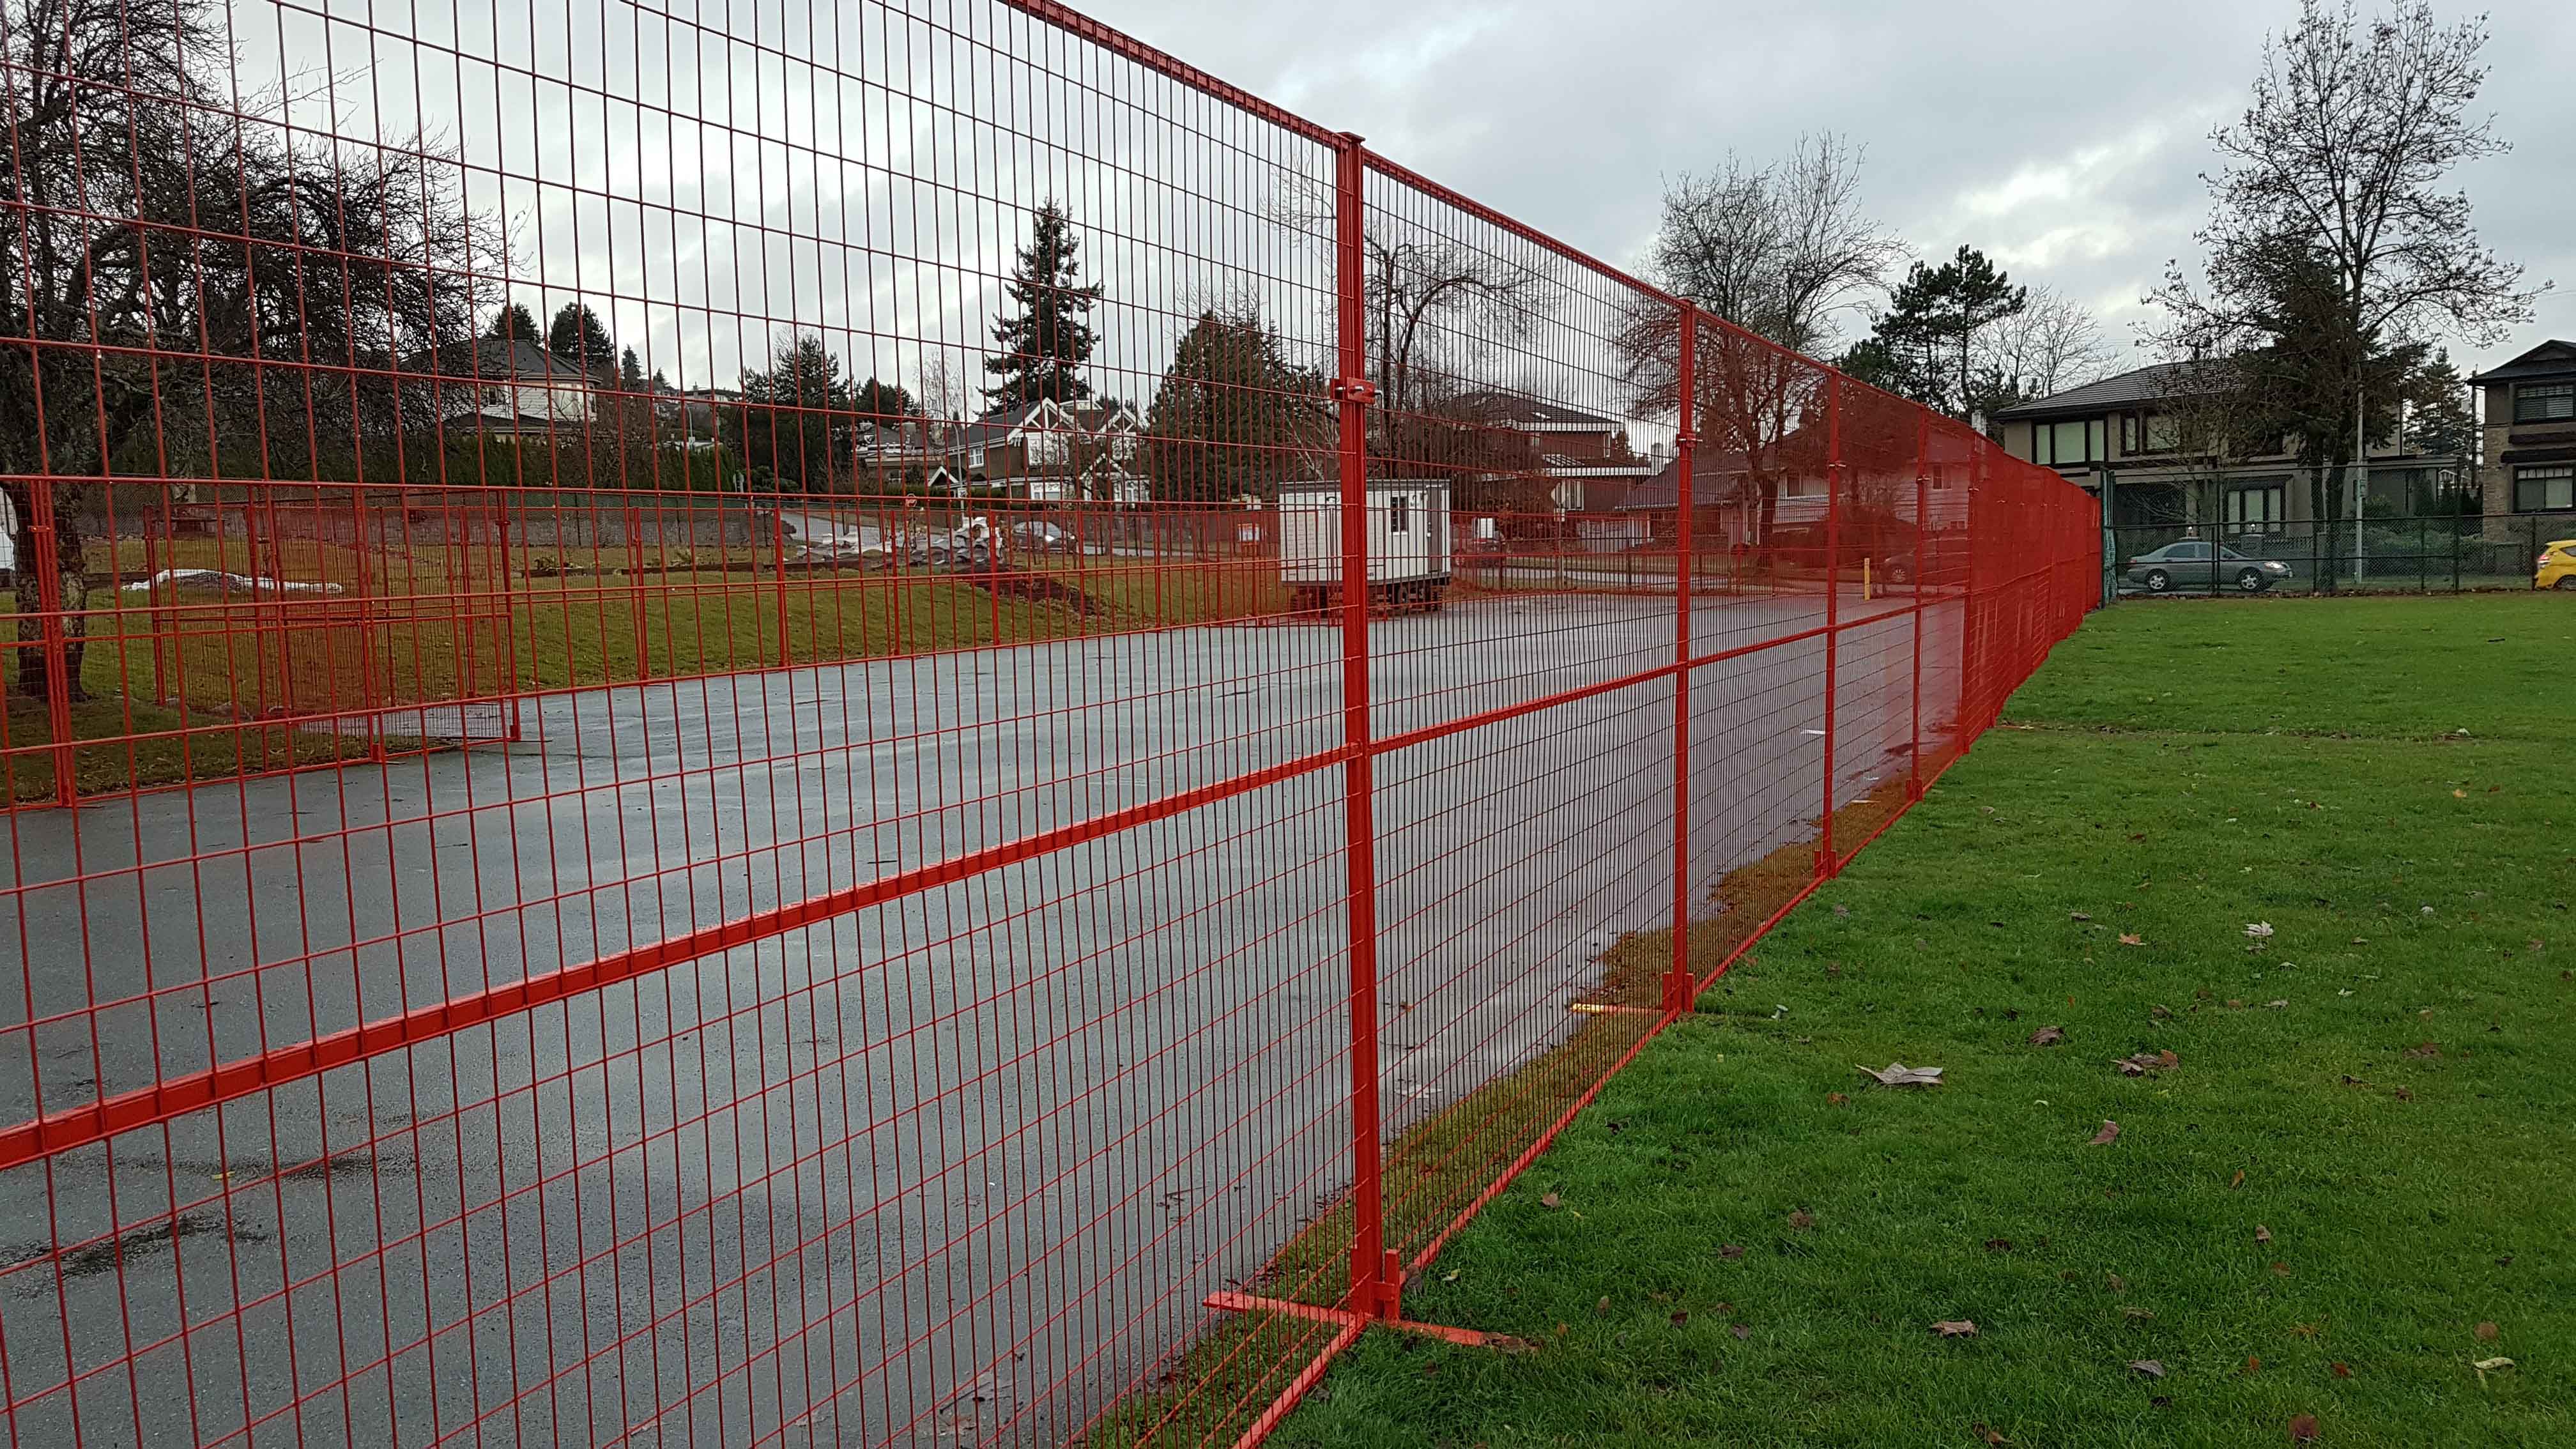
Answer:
(1781, 250)
(1778, 250)
(2331, 209)
(196, 292)
(2053, 344)
(1439, 309)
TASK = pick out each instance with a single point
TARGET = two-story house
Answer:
(1048, 451)
(2527, 443)
(2162, 437)
(499, 386)
(1585, 458)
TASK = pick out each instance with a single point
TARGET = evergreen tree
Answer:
(1924, 346)
(513, 324)
(1043, 346)
(790, 413)
(579, 338)
(883, 402)
(630, 373)
(1233, 415)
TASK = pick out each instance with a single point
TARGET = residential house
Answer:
(2527, 445)
(1727, 495)
(1582, 459)
(2135, 430)
(504, 387)
(1046, 451)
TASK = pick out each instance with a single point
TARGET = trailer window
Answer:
(1396, 522)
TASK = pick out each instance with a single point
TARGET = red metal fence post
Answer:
(1921, 571)
(778, 555)
(1968, 601)
(49, 599)
(1375, 1280)
(1833, 592)
(1680, 983)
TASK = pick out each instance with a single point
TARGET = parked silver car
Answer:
(2193, 563)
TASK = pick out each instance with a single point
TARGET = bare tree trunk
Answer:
(34, 679)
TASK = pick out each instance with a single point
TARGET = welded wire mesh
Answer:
(876, 724)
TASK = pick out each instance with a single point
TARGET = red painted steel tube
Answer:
(51, 637)
(1370, 1293)
(1922, 581)
(1117, 42)
(1677, 980)
(1834, 474)
(60, 1131)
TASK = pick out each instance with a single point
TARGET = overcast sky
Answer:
(2065, 137)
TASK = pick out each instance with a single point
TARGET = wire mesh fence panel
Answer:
(875, 725)
(2432, 553)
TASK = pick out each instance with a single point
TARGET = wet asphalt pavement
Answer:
(956, 1167)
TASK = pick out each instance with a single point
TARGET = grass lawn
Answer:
(2350, 1187)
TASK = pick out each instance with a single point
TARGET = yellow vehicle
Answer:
(2557, 566)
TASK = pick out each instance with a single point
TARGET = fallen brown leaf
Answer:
(2137, 1315)
(1802, 1219)
(2307, 1330)
(2048, 1036)
(1955, 1328)
(1836, 1099)
(1730, 1251)
(2262, 1234)
(1898, 1074)
(2253, 1365)
(1505, 1343)
(2109, 1134)
(1602, 1307)
(2234, 1004)
(2281, 1269)
(2342, 1370)
(2488, 1332)
(2147, 1367)
(1998, 1245)
(2238, 1180)
(2145, 1062)
(2118, 1284)
(1551, 1200)
(1681, 1318)
(1739, 1330)
(1987, 1435)
(2126, 939)
(2427, 1052)
(2161, 1013)
(2077, 916)
(2303, 1429)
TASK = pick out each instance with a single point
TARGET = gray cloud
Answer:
(2065, 138)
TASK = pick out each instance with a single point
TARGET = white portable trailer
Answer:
(1408, 542)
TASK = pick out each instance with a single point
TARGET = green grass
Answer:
(2400, 1124)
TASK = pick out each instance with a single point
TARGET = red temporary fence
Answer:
(598, 855)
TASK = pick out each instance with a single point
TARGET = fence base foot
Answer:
(1465, 1337)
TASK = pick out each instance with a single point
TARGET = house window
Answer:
(2144, 433)
(2256, 510)
(2544, 402)
(1396, 519)
(2537, 490)
(2063, 445)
